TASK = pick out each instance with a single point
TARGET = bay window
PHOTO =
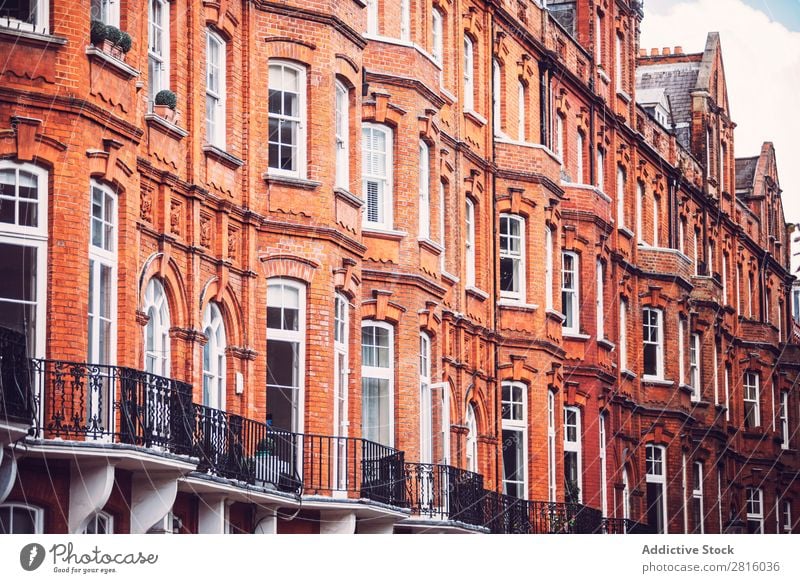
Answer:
(515, 432)
(286, 331)
(287, 117)
(377, 382)
(512, 257)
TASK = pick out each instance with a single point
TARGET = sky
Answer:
(761, 53)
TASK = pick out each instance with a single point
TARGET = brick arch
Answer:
(382, 311)
(347, 68)
(282, 47)
(22, 142)
(163, 267)
(231, 309)
(289, 266)
(476, 395)
(215, 16)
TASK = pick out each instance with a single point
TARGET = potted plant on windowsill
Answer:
(110, 39)
(164, 105)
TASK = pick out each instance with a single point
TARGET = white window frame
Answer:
(751, 394)
(574, 446)
(521, 98)
(442, 230)
(497, 101)
(715, 364)
(658, 478)
(727, 386)
(216, 123)
(694, 366)
(214, 376)
(472, 439)
(424, 191)
(97, 518)
(405, 20)
(603, 469)
(384, 205)
(156, 307)
(696, 251)
(579, 148)
(276, 65)
(639, 211)
(38, 515)
(600, 170)
(342, 137)
(682, 235)
(106, 11)
(755, 507)
(437, 39)
(783, 414)
(600, 300)
(681, 351)
(623, 335)
(750, 295)
(41, 20)
(621, 183)
(100, 257)
(656, 211)
(372, 17)
(738, 288)
(598, 39)
(158, 57)
(469, 74)
(571, 322)
(469, 243)
(425, 400)
(560, 138)
(618, 77)
(381, 373)
(659, 342)
(291, 336)
(517, 259)
(786, 516)
(520, 426)
(33, 237)
(341, 387)
(548, 267)
(697, 495)
(551, 446)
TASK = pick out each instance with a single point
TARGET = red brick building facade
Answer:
(373, 266)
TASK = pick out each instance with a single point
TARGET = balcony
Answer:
(436, 492)
(508, 515)
(624, 526)
(17, 403)
(236, 448)
(111, 404)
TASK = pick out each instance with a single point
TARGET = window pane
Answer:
(376, 408)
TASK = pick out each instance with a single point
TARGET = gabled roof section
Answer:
(746, 173)
(711, 77)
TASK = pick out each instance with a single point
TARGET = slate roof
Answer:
(678, 80)
(745, 172)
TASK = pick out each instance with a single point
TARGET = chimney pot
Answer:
(642, 52)
(678, 50)
(666, 51)
(654, 52)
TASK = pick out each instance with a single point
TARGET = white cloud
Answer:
(762, 67)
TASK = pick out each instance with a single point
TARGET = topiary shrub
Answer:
(125, 42)
(113, 34)
(98, 32)
(166, 97)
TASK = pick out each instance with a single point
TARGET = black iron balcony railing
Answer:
(237, 448)
(624, 526)
(17, 403)
(508, 515)
(442, 492)
(83, 402)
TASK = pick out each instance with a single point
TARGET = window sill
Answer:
(555, 315)
(382, 233)
(447, 276)
(624, 96)
(575, 336)
(627, 373)
(475, 117)
(28, 37)
(602, 73)
(623, 230)
(607, 344)
(477, 292)
(651, 380)
(120, 67)
(431, 246)
(169, 128)
(222, 156)
(280, 180)
(348, 196)
(517, 305)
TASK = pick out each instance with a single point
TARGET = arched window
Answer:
(23, 252)
(287, 118)
(16, 518)
(377, 382)
(156, 332)
(100, 523)
(286, 344)
(515, 439)
(102, 275)
(472, 439)
(425, 400)
(214, 369)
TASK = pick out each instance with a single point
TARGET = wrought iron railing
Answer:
(17, 403)
(442, 492)
(238, 448)
(508, 515)
(624, 526)
(84, 402)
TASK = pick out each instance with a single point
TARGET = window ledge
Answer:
(603, 75)
(517, 305)
(222, 156)
(290, 181)
(651, 380)
(28, 37)
(351, 198)
(476, 117)
(575, 336)
(606, 343)
(382, 233)
(431, 246)
(450, 97)
(623, 230)
(624, 96)
(627, 373)
(555, 315)
(121, 67)
(477, 292)
(170, 128)
(446, 275)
